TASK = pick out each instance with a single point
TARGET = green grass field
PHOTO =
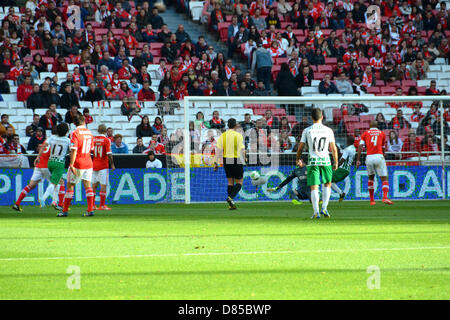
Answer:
(204, 251)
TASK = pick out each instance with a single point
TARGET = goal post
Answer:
(333, 105)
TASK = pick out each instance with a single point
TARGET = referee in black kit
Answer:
(231, 152)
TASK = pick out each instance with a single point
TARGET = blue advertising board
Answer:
(128, 186)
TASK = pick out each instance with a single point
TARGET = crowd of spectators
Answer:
(262, 33)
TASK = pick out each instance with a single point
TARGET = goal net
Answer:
(272, 127)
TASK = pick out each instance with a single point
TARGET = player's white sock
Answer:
(335, 187)
(315, 200)
(326, 193)
(48, 192)
(55, 194)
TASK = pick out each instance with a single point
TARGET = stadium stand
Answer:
(306, 40)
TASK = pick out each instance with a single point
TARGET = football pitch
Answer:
(204, 251)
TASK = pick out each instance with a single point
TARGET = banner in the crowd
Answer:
(145, 186)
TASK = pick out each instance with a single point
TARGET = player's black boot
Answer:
(17, 208)
(231, 204)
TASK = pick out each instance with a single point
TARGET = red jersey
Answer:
(374, 140)
(102, 148)
(43, 159)
(82, 140)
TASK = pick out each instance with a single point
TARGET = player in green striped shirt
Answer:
(346, 161)
(59, 147)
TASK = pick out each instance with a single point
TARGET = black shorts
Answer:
(235, 171)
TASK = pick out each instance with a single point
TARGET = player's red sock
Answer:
(90, 196)
(61, 193)
(385, 189)
(67, 200)
(102, 198)
(23, 194)
(371, 190)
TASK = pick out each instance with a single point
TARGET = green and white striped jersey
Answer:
(318, 138)
(348, 154)
(58, 148)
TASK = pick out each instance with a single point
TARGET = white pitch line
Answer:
(221, 253)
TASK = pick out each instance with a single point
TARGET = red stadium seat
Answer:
(363, 61)
(279, 112)
(156, 45)
(421, 90)
(280, 61)
(337, 115)
(387, 90)
(298, 33)
(324, 68)
(330, 61)
(367, 118)
(351, 119)
(409, 83)
(223, 30)
(395, 84)
(374, 90)
(319, 76)
(48, 60)
(156, 53)
(275, 70)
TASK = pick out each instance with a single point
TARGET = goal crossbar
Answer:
(336, 98)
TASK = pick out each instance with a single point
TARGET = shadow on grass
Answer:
(196, 273)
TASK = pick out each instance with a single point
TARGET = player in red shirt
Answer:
(102, 161)
(80, 167)
(375, 142)
(40, 173)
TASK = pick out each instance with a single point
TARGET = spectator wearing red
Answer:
(60, 65)
(388, 7)
(155, 146)
(217, 16)
(127, 71)
(368, 78)
(216, 122)
(210, 91)
(376, 62)
(399, 121)
(15, 71)
(350, 55)
(130, 41)
(33, 41)
(429, 145)
(411, 144)
(143, 75)
(125, 91)
(146, 93)
(24, 90)
(14, 146)
(157, 126)
(432, 90)
(417, 116)
(48, 121)
(181, 91)
(87, 117)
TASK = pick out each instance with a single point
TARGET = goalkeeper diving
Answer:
(345, 162)
(303, 191)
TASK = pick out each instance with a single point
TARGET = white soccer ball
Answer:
(254, 175)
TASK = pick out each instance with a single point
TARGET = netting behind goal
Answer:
(272, 128)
